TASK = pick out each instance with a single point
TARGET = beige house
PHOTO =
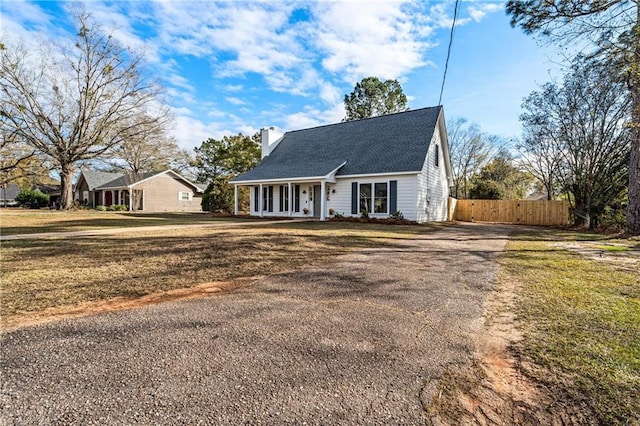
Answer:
(165, 191)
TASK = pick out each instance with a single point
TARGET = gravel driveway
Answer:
(362, 340)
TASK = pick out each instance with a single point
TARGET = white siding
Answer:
(433, 188)
(304, 201)
(340, 201)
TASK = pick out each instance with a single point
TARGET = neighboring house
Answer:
(392, 163)
(165, 191)
(8, 194)
(52, 190)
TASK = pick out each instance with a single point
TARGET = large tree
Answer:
(218, 161)
(372, 97)
(582, 120)
(470, 150)
(613, 27)
(75, 102)
(500, 179)
(541, 154)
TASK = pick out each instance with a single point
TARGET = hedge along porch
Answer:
(398, 162)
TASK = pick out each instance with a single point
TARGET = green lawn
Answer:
(579, 309)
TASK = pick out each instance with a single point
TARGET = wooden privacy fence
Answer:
(526, 212)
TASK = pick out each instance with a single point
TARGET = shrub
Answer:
(32, 199)
(338, 215)
(218, 196)
(119, 207)
(101, 208)
(364, 214)
(332, 212)
(397, 215)
(614, 217)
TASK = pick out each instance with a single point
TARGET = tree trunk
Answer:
(633, 209)
(66, 186)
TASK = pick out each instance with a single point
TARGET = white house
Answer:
(392, 163)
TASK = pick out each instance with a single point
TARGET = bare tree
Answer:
(613, 26)
(585, 118)
(147, 149)
(77, 102)
(540, 151)
(470, 150)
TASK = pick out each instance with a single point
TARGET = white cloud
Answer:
(235, 101)
(361, 39)
(477, 12)
(312, 117)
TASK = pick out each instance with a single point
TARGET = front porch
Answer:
(121, 196)
(309, 198)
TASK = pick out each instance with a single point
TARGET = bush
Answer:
(364, 214)
(101, 208)
(32, 199)
(487, 190)
(614, 217)
(117, 208)
(218, 196)
(397, 215)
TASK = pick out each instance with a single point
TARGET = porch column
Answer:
(130, 199)
(323, 200)
(104, 198)
(260, 200)
(290, 198)
(235, 200)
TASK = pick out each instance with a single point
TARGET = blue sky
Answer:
(238, 66)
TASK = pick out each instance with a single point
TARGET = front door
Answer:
(108, 198)
(316, 200)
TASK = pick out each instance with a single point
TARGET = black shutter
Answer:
(354, 198)
(270, 198)
(393, 196)
(281, 198)
(256, 198)
(296, 198)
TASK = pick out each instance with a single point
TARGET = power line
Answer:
(446, 64)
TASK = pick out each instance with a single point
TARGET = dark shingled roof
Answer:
(9, 192)
(386, 144)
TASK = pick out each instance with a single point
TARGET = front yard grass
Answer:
(579, 310)
(50, 273)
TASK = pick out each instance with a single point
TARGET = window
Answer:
(267, 198)
(184, 196)
(436, 158)
(380, 200)
(365, 197)
(373, 198)
(284, 198)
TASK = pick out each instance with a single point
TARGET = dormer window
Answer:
(436, 160)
